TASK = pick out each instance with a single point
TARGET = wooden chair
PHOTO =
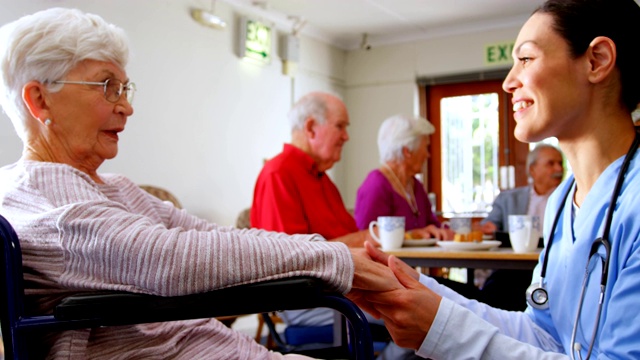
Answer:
(161, 194)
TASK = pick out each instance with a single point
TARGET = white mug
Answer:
(391, 230)
(524, 233)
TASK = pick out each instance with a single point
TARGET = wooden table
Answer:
(435, 256)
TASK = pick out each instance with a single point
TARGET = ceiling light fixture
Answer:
(208, 18)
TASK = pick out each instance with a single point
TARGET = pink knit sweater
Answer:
(77, 235)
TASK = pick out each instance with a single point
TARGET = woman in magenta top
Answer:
(393, 189)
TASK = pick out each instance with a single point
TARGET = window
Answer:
(470, 129)
(473, 144)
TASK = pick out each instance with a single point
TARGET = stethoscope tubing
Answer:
(603, 240)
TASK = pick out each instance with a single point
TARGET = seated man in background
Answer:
(294, 195)
(506, 288)
(545, 169)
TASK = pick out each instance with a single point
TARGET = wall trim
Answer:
(498, 74)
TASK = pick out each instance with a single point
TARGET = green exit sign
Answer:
(255, 41)
(498, 54)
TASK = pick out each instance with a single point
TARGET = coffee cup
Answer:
(524, 233)
(391, 231)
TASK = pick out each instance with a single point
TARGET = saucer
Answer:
(469, 246)
(420, 242)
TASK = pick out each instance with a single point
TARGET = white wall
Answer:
(204, 120)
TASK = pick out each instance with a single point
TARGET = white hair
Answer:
(312, 105)
(401, 131)
(48, 44)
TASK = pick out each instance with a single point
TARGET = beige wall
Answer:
(205, 120)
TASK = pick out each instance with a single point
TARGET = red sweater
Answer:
(292, 196)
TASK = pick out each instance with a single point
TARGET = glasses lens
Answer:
(130, 90)
(113, 90)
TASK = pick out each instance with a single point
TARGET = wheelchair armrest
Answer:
(120, 308)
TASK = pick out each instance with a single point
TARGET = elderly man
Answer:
(293, 194)
(506, 288)
(544, 167)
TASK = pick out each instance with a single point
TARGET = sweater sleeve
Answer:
(113, 237)
(497, 212)
(109, 247)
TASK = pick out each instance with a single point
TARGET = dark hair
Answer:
(580, 21)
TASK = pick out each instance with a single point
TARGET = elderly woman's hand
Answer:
(408, 312)
(383, 258)
(370, 276)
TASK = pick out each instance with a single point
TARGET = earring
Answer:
(47, 122)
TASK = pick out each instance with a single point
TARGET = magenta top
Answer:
(376, 197)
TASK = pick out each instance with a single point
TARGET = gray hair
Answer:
(532, 157)
(401, 131)
(48, 44)
(314, 105)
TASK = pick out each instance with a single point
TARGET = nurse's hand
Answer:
(408, 313)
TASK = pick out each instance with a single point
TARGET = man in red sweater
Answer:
(293, 194)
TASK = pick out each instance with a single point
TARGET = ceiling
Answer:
(344, 22)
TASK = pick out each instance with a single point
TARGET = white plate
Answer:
(468, 246)
(420, 242)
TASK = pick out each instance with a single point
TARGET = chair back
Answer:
(162, 194)
(243, 221)
(11, 286)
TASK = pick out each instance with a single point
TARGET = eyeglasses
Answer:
(113, 88)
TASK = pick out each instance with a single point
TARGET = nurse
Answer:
(575, 76)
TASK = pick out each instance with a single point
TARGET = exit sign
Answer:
(498, 54)
(255, 41)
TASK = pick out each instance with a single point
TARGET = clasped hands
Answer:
(388, 289)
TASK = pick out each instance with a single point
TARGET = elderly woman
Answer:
(64, 86)
(393, 189)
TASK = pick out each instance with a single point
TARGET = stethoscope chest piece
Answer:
(537, 296)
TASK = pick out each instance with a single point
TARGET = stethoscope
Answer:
(537, 295)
